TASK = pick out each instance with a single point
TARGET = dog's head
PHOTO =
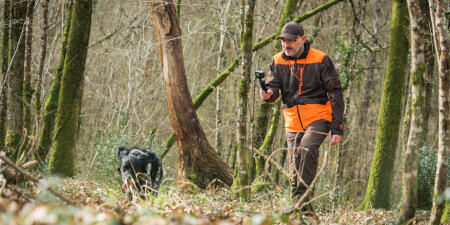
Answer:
(132, 166)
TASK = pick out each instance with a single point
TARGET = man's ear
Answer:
(121, 150)
(303, 38)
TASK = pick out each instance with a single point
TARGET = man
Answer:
(313, 105)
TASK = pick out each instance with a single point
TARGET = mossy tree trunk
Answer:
(5, 62)
(442, 44)
(242, 172)
(15, 79)
(27, 88)
(51, 104)
(264, 137)
(197, 161)
(417, 82)
(62, 160)
(378, 190)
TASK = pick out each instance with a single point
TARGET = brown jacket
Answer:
(319, 87)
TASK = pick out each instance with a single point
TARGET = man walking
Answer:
(313, 105)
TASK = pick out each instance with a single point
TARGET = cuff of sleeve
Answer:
(338, 130)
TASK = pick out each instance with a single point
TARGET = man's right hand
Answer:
(265, 95)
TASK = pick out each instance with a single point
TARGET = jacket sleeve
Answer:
(273, 82)
(333, 86)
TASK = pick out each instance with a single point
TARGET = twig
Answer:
(49, 189)
(268, 159)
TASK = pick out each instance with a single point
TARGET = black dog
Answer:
(141, 171)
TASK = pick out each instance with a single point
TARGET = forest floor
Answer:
(99, 204)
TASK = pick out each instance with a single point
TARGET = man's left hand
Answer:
(334, 139)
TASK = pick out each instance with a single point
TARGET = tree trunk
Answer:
(27, 89)
(51, 104)
(442, 44)
(380, 179)
(5, 62)
(220, 65)
(15, 79)
(198, 162)
(409, 198)
(429, 63)
(62, 160)
(38, 103)
(242, 179)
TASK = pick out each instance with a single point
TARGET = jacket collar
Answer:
(302, 56)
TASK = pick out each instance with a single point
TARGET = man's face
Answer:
(293, 47)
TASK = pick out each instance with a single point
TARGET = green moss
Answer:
(378, 190)
(13, 143)
(446, 215)
(192, 176)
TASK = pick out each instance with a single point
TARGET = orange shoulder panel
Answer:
(314, 56)
(278, 59)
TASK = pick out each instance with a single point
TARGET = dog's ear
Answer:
(121, 150)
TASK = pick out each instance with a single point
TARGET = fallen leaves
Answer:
(100, 204)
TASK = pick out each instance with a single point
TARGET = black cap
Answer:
(291, 30)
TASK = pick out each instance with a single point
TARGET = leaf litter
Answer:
(30, 204)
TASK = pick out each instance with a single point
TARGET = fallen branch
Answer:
(31, 177)
(11, 174)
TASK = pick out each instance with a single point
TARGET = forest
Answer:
(152, 112)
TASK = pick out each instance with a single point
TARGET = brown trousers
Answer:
(304, 156)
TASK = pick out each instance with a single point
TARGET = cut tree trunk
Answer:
(198, 162)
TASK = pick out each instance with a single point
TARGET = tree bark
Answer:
(198, 162)
(27, 89)
(38, 103)
(220, 65)
(51, 104)
(429, 73)
(380, 179)
(15, 79)
(62, 160)
(242, 172)
(5, 62)
(409, 198)
(442, 44)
